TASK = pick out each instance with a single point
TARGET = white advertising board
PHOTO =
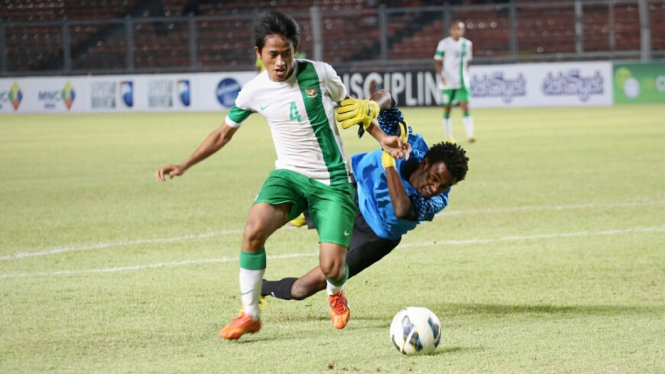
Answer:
(126, 93)
(492, 86)
(541, 85)
(515, 85)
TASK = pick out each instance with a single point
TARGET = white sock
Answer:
(448, 127)
(332, 289)
(468, 126)
(251, 282)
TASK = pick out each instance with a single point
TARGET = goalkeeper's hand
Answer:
(355, 112)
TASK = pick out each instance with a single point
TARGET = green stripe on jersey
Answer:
(238, 115)
(312, 96)
(439, 53)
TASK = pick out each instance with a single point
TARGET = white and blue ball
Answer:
(415, 331)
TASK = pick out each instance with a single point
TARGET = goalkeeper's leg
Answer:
(365, 250)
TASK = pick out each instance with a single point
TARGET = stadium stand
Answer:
(412, 34)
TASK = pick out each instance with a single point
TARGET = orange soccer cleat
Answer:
(339, 309)
(240, 326)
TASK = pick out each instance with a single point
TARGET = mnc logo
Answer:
(68, 95)
(184, 91)
(14, 96)
(227, 92)
(127, 93)
(51, 98)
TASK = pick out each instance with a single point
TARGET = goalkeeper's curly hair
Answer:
(452, 155)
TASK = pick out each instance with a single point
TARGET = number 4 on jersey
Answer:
(295, 116)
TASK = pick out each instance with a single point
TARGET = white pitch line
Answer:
(549, 207)
(422, 244)
(150, 266)
(118, 244)
(228, 232)
(532, 237)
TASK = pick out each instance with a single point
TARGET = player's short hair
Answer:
(458, 22)
(452, 155)
(275, 23)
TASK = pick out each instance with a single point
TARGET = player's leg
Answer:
(278, 201)
(447, 98)
(365, 249)
(467, 120)
(263, 220)
(358, 258)
(333, 211)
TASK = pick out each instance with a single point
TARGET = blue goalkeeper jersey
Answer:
(373, 195)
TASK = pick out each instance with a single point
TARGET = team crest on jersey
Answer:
(311, 92)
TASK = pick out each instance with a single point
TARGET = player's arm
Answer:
(398, 196)
(364, 113)
(438, 62)
(361, 112)
(423, 209)
(470, 56)
(213, 143)
(437, 67)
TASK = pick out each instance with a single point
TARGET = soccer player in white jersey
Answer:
(451, 63)
(312, 170)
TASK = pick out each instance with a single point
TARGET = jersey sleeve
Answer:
(240, 111)
(333, 83)
(389, 120)
(439, 51)
(426, 209)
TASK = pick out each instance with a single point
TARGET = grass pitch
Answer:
(549, 258)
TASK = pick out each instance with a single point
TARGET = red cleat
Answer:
(339, 309)
(240, 326)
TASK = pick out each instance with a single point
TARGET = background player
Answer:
(451, 63)
(296, 97)
(393, 197)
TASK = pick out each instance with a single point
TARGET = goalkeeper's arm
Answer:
(364, 112)
(383, 100)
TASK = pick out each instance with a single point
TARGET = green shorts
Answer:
(459, 95)
(331, 207)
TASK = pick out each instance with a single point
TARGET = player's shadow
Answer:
(451, 350)
(444, 310)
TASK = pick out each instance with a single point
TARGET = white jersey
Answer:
(301, 117)
(454, 57)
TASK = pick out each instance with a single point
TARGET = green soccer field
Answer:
(549, 258)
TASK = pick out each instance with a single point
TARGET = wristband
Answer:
(387, 160)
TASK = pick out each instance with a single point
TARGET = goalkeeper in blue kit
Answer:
(392, 198)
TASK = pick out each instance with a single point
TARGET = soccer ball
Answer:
(415, 331)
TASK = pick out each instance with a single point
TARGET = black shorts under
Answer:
(366, 247)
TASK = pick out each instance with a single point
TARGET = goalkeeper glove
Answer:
(404, 132)
(355, 112)
(387, 160)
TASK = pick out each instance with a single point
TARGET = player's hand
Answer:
(353, 112)
(396, 147)
(170, 170)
